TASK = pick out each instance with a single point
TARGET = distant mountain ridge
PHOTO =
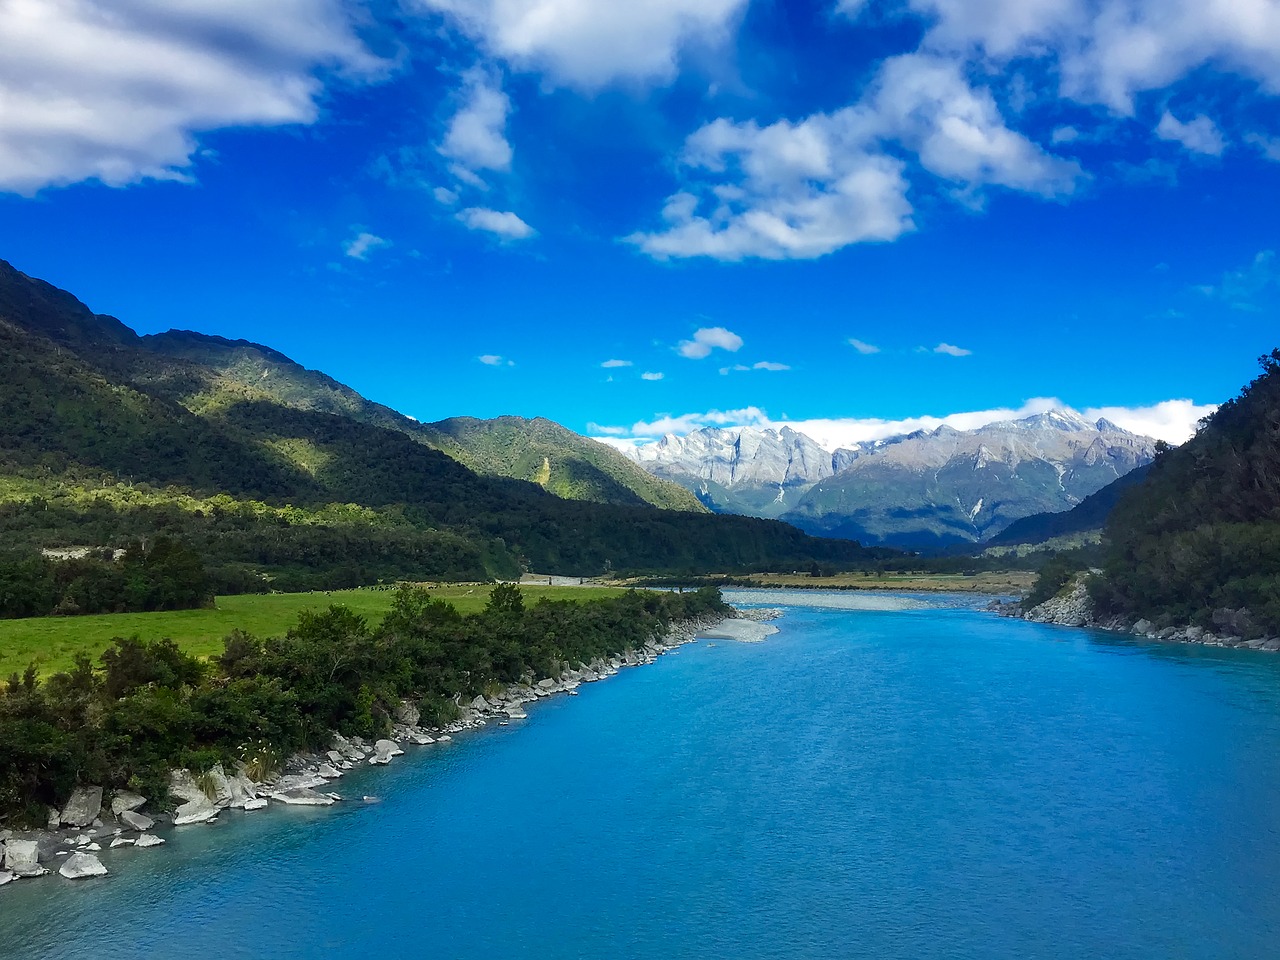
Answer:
(930, 488)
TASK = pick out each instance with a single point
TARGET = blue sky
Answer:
(858, 216)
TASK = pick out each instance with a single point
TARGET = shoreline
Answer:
(92, 822)
(1073, 609)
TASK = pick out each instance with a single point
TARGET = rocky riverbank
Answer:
(92, 822)
(1073, 608)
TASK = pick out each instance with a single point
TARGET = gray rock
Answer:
(55, 818)
(82, 865)
(304, 797)
(257, 803)
(194, 811)
(125, 801)
(408, 714)
(217, 786)
(83, 807)
(148, 840)
(6, 877)
(136, 821)
(22, 858)
(335, 758)
(121, 842)
(183, 786)
(1143, 627)
(384, 750)
(242, 791)
(328, 771)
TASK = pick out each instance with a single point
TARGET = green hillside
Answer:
(556, 459)
(97, 449)
(1199, 539)
(539, 451)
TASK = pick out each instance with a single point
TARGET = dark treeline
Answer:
(1201, 535)
(166, 575)
(147, 706)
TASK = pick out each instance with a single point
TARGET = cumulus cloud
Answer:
(362, 244)
(504, 224)
(119, 92)
(805, 189)
(476, 135)
(609, 364)
(651, 376)
(951, 350)
(707, 339)
(1199, 134)
(863, 347)
(1173, 421)
(495, 360)
(586, 43)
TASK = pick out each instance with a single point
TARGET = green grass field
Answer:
(53, 642)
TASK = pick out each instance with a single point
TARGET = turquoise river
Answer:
(884, 778)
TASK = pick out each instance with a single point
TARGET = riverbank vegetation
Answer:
(146, 706)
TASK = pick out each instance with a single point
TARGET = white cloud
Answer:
(1170, 420)
(951, 350)
(476, 136)
(1066, 134)
(1173, 421)
(609, 364)
(651, 376)
(120, 92)
(445, 196)
(503, 224)
(1268, 146)
(1110, 53)
(707, 339)
(589, 43)
(1199, 134)
(1245, 288)
(803, 190)
(495, 360)
(761, 365)
(863, 347)
(363, 244)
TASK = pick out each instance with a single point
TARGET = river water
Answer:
(916, 780)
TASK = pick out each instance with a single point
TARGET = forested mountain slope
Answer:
(1199, 539)
(95, 448)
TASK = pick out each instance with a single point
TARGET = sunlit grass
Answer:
(53, 642)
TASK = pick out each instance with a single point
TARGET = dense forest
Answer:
(147, 707)
(165, 575)
(1198, 541)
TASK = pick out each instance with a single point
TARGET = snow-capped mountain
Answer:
(926, 488)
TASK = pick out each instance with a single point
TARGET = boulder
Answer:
(148, 840)
(257, 803)
(384, 750)
(335, 758)
(194, 811)
(55, 818)
(6, 877)
(136, 821)
(183, 786)
(125, 801)
(408, 714)
(242, 791)
(22, 858)
(479, 703)
(82, 865)
(328, 771)
(83, 807)
(1143, 627)
(303, 797)
(218, 786)
(121, 842)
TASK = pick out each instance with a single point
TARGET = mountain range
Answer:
(283, 477)
(927, 489)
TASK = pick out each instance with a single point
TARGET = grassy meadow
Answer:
(53, 642)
